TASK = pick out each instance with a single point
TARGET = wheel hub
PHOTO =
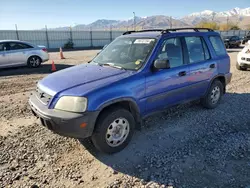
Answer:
(215, 95)
(117, 132)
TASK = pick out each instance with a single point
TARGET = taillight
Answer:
(45, 50)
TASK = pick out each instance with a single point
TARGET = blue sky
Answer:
(34, 14)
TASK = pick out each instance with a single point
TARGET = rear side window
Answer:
(18, 46)
(218, 45)
(197, 49)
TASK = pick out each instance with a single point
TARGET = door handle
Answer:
(183, 73)
(212, 66)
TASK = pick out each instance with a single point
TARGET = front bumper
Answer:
(244, 63)
(228, 78)
(64, 123)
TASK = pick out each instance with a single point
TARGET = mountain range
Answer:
(240, 17)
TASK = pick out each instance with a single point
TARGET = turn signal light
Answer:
(83, 125)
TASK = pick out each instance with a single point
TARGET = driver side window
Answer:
(171, 49)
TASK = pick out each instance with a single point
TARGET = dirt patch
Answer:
(185, 146)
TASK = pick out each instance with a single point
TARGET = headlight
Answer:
(72, 104)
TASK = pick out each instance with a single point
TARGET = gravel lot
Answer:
(186, 146)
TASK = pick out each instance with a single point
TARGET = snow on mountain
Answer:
(234, 12)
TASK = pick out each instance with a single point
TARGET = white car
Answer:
(18, 53)
(243, 58)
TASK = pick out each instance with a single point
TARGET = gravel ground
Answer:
(185, 146)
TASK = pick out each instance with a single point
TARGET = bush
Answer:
(234, 27)
(69, 44)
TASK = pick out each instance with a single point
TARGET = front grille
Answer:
(42, 96)
(248, 59)
(46, 123)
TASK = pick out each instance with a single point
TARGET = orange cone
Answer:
(53, 66)
(61, 54)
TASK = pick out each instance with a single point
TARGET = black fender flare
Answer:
(132, 104)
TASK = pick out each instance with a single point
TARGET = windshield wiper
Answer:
(112, 65)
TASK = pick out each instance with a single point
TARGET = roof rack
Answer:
(163, 31)
(145, 30)
(187, 28)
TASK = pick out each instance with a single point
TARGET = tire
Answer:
(87, 143)
(239, 67)
(34, 61)
(112, 120)
(212, 98)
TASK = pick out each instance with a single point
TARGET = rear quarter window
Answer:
(218, 45)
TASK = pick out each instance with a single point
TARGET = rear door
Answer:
(238, 41)
(3, 56)
(202, 67)
(234, 40)
(17, 53)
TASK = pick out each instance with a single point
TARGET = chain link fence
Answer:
(81, 38)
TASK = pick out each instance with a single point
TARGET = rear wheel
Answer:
(213, 96)
(114, 130)
(34, 61)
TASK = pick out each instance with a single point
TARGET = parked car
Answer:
(246, 38)
(18, 53)
(232, 41)
(136, 75)
(243, 58)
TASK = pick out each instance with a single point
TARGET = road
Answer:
(185, 146)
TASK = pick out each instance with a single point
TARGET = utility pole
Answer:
(17, 35)
(227, 22)
(213, 16)
(170, 21)
(134, 20)
(47, 37)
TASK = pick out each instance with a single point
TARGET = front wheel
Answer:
(34, 61)
(213, 96)
(114, 130)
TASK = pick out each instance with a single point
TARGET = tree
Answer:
(234, 27)
(224, 27)
(210, 25)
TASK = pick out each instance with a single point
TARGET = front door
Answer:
(16, 53)
(166, 87)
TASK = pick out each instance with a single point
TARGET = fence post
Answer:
(110, 33)
(47, 37)
(17, 35)
(91, 38)
(70, 34)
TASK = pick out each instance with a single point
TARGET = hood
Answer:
(79, 75)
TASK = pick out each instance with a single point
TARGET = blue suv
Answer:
(139, 73)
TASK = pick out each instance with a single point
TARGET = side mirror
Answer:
(162, 64)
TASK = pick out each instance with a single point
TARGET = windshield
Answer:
(227, 37)
(126, 52)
